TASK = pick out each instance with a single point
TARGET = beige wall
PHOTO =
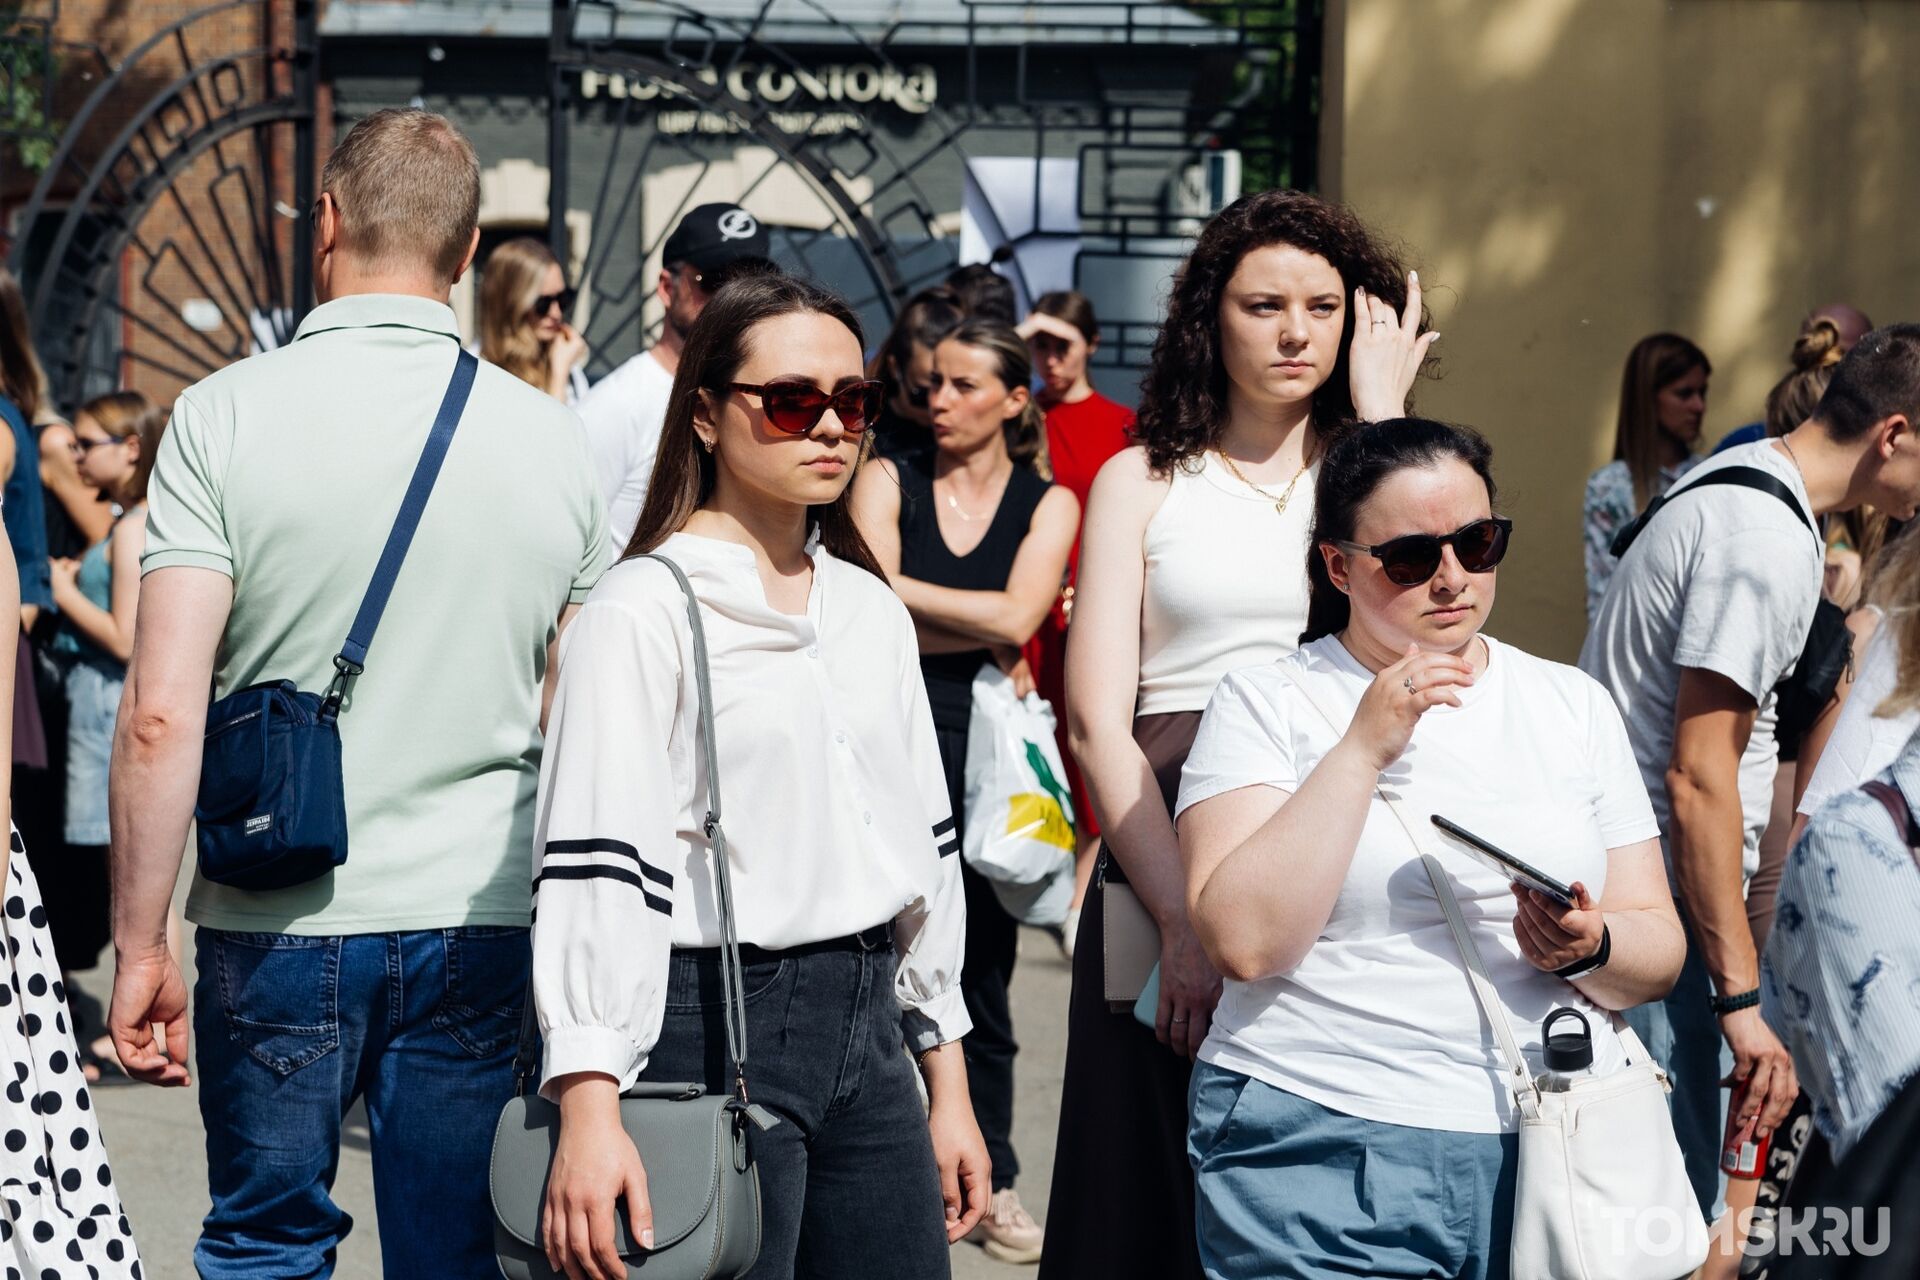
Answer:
(1571, 175)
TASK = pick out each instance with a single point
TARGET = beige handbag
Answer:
(1131, 941)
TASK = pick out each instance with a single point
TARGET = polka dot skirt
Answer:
(60, 1217)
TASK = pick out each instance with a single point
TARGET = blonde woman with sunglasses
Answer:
(525, 327)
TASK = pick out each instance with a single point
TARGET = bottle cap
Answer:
(1567, 1050)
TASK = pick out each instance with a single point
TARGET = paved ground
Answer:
(159, 1154)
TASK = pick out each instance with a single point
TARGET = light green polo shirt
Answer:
(285, 472)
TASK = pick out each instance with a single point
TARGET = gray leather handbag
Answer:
(701, 1175)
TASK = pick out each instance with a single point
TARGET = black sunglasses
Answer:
(797, 407)
(1411, 560)
(547, 301)
(919, 394)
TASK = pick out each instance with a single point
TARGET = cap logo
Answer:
(738, 224)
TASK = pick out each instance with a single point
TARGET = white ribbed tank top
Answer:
(1226, 584)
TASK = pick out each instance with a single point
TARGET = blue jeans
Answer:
(292, 1032)
(1683, 1035)
(1287, 1189)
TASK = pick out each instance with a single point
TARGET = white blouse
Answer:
(833, 797)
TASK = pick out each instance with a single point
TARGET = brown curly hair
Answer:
(1183, 398)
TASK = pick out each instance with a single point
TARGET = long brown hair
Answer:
(683, 472)
(1026, 432)
(1656, 362)
(508, 287)
(129, 413)
(21, 378)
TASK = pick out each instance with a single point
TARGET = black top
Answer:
(898, 436)
(64, 539)
(924, 555)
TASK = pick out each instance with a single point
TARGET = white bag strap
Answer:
(1525, 1093)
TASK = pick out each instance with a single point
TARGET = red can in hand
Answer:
(1743, 1157)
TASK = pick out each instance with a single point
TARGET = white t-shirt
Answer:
(1864, 743)
(1378, 1021)
(624, 413)
(1725, 580)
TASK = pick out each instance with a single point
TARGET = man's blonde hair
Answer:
(406, 187)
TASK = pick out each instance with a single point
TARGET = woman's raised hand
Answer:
(1387, 352)
(1393, 704)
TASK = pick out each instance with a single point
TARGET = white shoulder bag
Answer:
(1602, 1191)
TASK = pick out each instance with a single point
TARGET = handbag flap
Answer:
(686, 1146)
(235, 755)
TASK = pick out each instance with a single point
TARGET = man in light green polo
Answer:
(398, 977)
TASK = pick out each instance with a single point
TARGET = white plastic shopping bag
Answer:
(1019, 829)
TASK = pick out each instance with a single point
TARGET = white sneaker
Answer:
(1008, 1232)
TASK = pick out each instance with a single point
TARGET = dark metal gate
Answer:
(168, 235)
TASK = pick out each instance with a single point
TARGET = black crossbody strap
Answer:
(1745, 477)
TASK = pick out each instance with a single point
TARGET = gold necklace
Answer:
(1285, 495)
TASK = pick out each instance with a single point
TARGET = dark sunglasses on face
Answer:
(547, 301)
(83, 447)
(919, 394)
(1413, 559)
(797, 407)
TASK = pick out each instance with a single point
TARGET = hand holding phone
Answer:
(1497, 859)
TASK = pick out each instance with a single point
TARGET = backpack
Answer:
(1827, 654)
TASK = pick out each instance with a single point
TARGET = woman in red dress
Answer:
(1084, 429)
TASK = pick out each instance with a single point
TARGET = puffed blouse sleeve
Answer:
(604, 838)
(930, 932)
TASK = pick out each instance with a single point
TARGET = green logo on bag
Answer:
(1061, 835)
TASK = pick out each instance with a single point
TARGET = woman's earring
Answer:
(707, 444)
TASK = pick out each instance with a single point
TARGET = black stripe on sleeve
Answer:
(597, 871)
(950, 845)
(942, 827)
(602, 844)
(594, 844)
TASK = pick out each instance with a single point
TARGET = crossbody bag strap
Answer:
(1519, 1079)
(352, 658)
(732, 977)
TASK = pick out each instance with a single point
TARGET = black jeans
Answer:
(848, 1183)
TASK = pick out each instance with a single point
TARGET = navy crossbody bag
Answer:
(272, 808)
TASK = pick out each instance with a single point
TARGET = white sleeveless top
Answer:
(1226, 583)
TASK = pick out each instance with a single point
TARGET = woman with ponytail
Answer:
(1348, 1113)
(975, 539)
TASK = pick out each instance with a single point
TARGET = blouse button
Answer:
(813, 651)
(839, 736)
(867, 817)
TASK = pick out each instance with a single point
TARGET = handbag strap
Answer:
(732, 978)
(352, 658)
(1519, 1079)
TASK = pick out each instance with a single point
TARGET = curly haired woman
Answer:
(1289, 322)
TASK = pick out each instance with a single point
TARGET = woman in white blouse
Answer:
(846, 879)
(1371, 1129)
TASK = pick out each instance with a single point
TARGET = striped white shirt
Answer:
(834, 801)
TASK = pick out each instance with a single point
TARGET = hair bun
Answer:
(1817, 346)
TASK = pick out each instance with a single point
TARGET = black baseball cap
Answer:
(714, 235)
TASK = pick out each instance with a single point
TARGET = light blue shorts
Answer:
(1287, 1189)
(93, 703)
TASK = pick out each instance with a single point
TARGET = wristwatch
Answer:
(1723, 1005)
(1596, 961)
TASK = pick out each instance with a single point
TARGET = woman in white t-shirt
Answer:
(1370, 1129)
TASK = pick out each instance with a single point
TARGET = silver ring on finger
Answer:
(1408, 682)
(1185, 1019)
(1378, 323)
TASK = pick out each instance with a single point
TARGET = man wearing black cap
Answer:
(626, 409)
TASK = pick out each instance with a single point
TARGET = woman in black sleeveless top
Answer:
(975, 541)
